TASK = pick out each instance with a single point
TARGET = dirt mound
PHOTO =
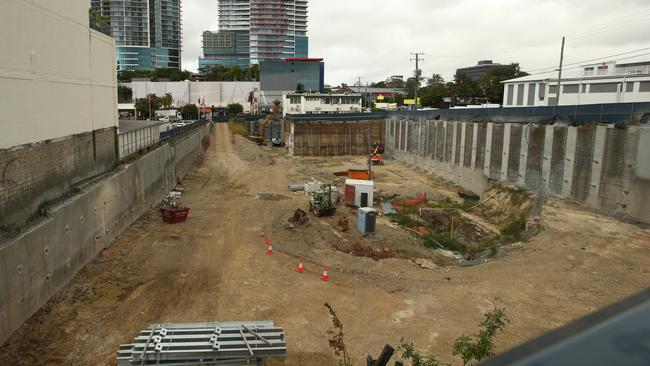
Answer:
(504, 205)
(249, 151)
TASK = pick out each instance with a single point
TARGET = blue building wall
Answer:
(144, 58)
(302, 47)
(296, 75)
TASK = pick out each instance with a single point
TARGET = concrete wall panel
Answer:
(528, 154)
(41, 260)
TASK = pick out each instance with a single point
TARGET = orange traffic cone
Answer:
(326, 277)
(270, 250)
(300, 267)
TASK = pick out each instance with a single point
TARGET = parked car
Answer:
(179, 124)
(168, 119)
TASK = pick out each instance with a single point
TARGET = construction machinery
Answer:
(376, 151)
(275, 115)
(320, 202)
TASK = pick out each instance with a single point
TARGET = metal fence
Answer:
(577, 114)
(165, 135)
(139, 139)
(136, 140)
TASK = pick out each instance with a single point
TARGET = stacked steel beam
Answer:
(247, 343)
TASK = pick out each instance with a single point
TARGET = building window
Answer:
(542, 91)
(295, 100)
(531, 94)
(629, 87)
(589, 71)
(552, 89)
(603, 88)
(584, 88)
(509, 94)
(570, 89)
(602, 70)
(520, 94)
(644, 86)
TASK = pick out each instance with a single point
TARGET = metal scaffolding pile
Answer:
(247, 343)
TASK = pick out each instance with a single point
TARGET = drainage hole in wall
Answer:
(81, 219)
(46, 250)
(19, 269)
(67, 229)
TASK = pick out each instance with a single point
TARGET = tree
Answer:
(144, 106)
(433, 94)
(231, 73)
(489, 86)
(124, 94)
(167, 100)
(190, 111)
(234, 109)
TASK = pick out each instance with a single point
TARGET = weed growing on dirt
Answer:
(409, 353)
(447, 203)
(483, 345)
(477, 348)
(336, 342)
(238, 129)
(446, 240)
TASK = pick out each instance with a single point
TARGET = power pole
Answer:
(417, 60)
(363, 96)
(559, 76)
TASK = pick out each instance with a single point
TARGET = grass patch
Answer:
(238, 129)
(446, 240)
(463, 206)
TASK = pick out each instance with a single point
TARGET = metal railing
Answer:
(176, 131)
(133, 141)
(578, 114)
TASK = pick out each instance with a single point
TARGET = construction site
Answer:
(273, 237)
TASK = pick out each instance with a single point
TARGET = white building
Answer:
(321, 103)
(57, 75)
(211, 93)
(595, 84)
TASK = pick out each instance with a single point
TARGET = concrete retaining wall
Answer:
(332, 138)
(33, 174)
(603, 167)
(39, 262)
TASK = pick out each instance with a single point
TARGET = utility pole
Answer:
(559, 76)
(417, 60)
(361, 92)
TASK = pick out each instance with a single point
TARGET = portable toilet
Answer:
(359, 193)
(366, 220)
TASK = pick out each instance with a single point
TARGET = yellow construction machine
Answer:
(275, 115)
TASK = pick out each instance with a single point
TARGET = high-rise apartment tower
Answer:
(276, 29)
(147, 32)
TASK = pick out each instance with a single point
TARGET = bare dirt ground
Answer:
(214, 267)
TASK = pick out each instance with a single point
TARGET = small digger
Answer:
(320, 202)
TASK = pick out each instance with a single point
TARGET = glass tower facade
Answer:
(292, 74)
(277, 29)
(227, 48)
(147, 33)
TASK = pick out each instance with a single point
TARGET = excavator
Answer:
(375, 155)
(275, 115)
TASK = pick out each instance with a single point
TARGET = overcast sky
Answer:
(373, 38)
